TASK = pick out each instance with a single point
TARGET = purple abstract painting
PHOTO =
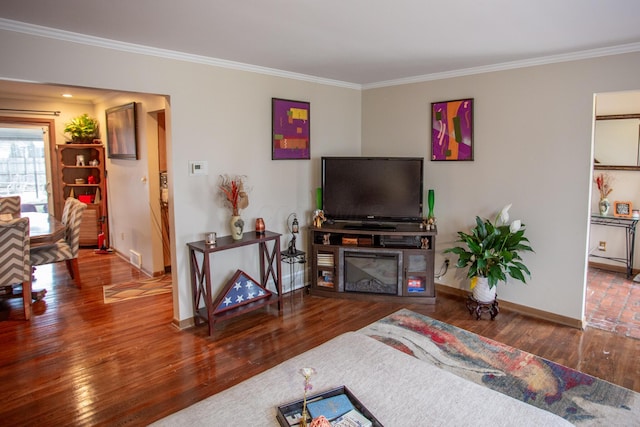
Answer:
(452, 130)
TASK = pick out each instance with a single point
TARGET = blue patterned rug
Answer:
(577, 397)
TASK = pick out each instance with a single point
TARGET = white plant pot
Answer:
(482, 292)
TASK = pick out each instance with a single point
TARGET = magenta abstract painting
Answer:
(452, 130)
(290, 129)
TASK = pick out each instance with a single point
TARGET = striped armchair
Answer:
(15, 268)
(65, 249)
(10, 205)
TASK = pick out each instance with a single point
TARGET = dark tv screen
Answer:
(372, 188)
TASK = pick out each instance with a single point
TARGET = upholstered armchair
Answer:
(65, 249)
(10, 205)
(15, 268)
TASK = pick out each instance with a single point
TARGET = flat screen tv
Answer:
(372, 189)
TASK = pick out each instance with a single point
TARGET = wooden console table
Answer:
(270, 267)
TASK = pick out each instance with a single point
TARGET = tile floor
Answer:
(613, 302)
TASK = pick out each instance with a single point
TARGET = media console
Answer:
(394, 263)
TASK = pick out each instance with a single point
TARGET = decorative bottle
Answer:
(430, 202)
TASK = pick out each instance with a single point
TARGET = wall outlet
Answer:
(602, 246)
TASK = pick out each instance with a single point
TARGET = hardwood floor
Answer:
(82, 362)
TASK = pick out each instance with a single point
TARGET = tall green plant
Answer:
(492, 249)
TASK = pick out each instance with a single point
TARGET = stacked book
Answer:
(325, 260)
(339, 411)
(325, 266)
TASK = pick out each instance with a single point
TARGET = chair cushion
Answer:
(10, 205)
(59, 251)
(72, 218)
(14, 251)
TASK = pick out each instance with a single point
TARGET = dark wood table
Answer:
(44, 229)
(270, 267)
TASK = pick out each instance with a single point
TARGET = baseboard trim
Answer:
(521, 309)
(611, 267)
(183, 324)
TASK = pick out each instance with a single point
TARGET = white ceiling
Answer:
(29, 91)
(356, 42)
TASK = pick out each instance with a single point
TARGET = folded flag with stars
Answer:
(240, 290)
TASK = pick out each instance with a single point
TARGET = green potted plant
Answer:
(492, 251)
(82, 129)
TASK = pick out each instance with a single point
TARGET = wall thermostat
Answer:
(198, 167)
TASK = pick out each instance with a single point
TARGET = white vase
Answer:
(237, 226)
(604, 206)
(482, 292)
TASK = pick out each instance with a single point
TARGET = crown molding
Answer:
(543, 60)
(53, 33)
(37, 30)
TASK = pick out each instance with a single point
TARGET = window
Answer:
(23, 166)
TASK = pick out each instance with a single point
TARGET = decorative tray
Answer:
(290, 414)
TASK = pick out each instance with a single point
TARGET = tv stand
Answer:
(394, 263)
(369, 226)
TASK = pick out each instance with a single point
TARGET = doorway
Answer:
(609, 289)
(24, 163)
(134, 221)
(164, 191)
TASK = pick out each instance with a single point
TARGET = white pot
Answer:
(237, 227)
(482, 292)
(604, 206)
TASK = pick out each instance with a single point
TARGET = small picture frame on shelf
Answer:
(622, 209)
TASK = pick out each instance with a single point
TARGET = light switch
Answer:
(198, 167)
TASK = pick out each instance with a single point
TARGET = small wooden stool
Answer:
(477, 307)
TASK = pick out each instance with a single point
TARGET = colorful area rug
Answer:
(577, 397)
(137, 289)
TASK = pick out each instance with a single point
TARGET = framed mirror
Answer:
(617, 142)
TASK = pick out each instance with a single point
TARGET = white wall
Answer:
(532, 148)
(218, 115)
(532, 145)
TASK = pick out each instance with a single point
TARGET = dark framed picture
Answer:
(452, 130)
(290, 129)
(622, 209)
(122, 132)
